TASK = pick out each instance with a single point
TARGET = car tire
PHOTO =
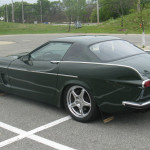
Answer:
(80, 104)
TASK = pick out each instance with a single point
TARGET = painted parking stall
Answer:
(23, 134)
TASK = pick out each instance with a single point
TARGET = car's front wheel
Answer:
(80, 104)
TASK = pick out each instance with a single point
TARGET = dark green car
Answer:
(83, 73)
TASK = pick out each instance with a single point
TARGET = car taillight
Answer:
(146, 83)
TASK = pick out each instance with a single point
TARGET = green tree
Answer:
(142, 17)
(75, 10)
(43, 9)
(113, 9)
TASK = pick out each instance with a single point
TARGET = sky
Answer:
(2, 2)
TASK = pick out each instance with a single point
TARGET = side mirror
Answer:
(26, 59)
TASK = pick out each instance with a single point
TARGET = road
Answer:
(29, 125)
(23, 43)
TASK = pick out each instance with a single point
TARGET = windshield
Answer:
(114, 50)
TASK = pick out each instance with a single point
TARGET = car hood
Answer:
(15, 56)
(5, 61)
(139, 62)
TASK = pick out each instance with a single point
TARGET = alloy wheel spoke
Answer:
(81, 111)
(86, 103)
(82, 94)
(72, 105)
(74, 94)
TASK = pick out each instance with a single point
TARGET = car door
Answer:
(35, 75)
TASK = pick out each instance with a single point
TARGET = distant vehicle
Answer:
(78, 24)
(83, 73)
(1, 18)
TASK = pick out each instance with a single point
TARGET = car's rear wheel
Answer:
(80, 104)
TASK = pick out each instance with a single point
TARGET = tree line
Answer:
(70, 10)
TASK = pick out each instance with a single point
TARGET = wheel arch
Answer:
(69, 84)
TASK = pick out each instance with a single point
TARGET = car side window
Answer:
(53, 51)
(114, 50)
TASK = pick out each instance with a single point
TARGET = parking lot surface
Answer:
(30, 125)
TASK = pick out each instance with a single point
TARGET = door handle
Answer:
(55, 62)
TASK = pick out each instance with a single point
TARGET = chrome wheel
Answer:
(78, 101)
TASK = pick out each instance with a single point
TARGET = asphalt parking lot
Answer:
(30, 125)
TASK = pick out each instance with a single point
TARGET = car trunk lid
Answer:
(139, 62)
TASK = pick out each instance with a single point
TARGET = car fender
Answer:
(109, 84)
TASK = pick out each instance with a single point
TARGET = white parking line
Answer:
(23, 134)
(11, 128)
(6, 42)
(49, 143)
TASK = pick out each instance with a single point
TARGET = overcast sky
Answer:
(2, 2)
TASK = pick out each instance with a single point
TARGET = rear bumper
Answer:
(135, 105)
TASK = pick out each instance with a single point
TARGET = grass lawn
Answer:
(111, 26)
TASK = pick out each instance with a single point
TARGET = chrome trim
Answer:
(32, 71)
(55, 62)
(67, 75)
(29, 82)
(3, 67)
(144, 82)
(136, 105)
(105, 64)
(45, 73)
(108, 64)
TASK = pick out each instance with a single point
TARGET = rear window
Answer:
(114, 50)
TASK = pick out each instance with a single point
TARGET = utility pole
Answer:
(6, 13)
(97, 11)
(13, 16)
(22, 13)
(41, 11)
(77, 11)
(139, 5)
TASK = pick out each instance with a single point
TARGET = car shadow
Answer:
(33, 102)
(119, 119)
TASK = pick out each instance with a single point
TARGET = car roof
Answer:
(87, 40)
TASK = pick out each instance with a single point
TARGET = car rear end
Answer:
(144, 100)
(135, 92)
